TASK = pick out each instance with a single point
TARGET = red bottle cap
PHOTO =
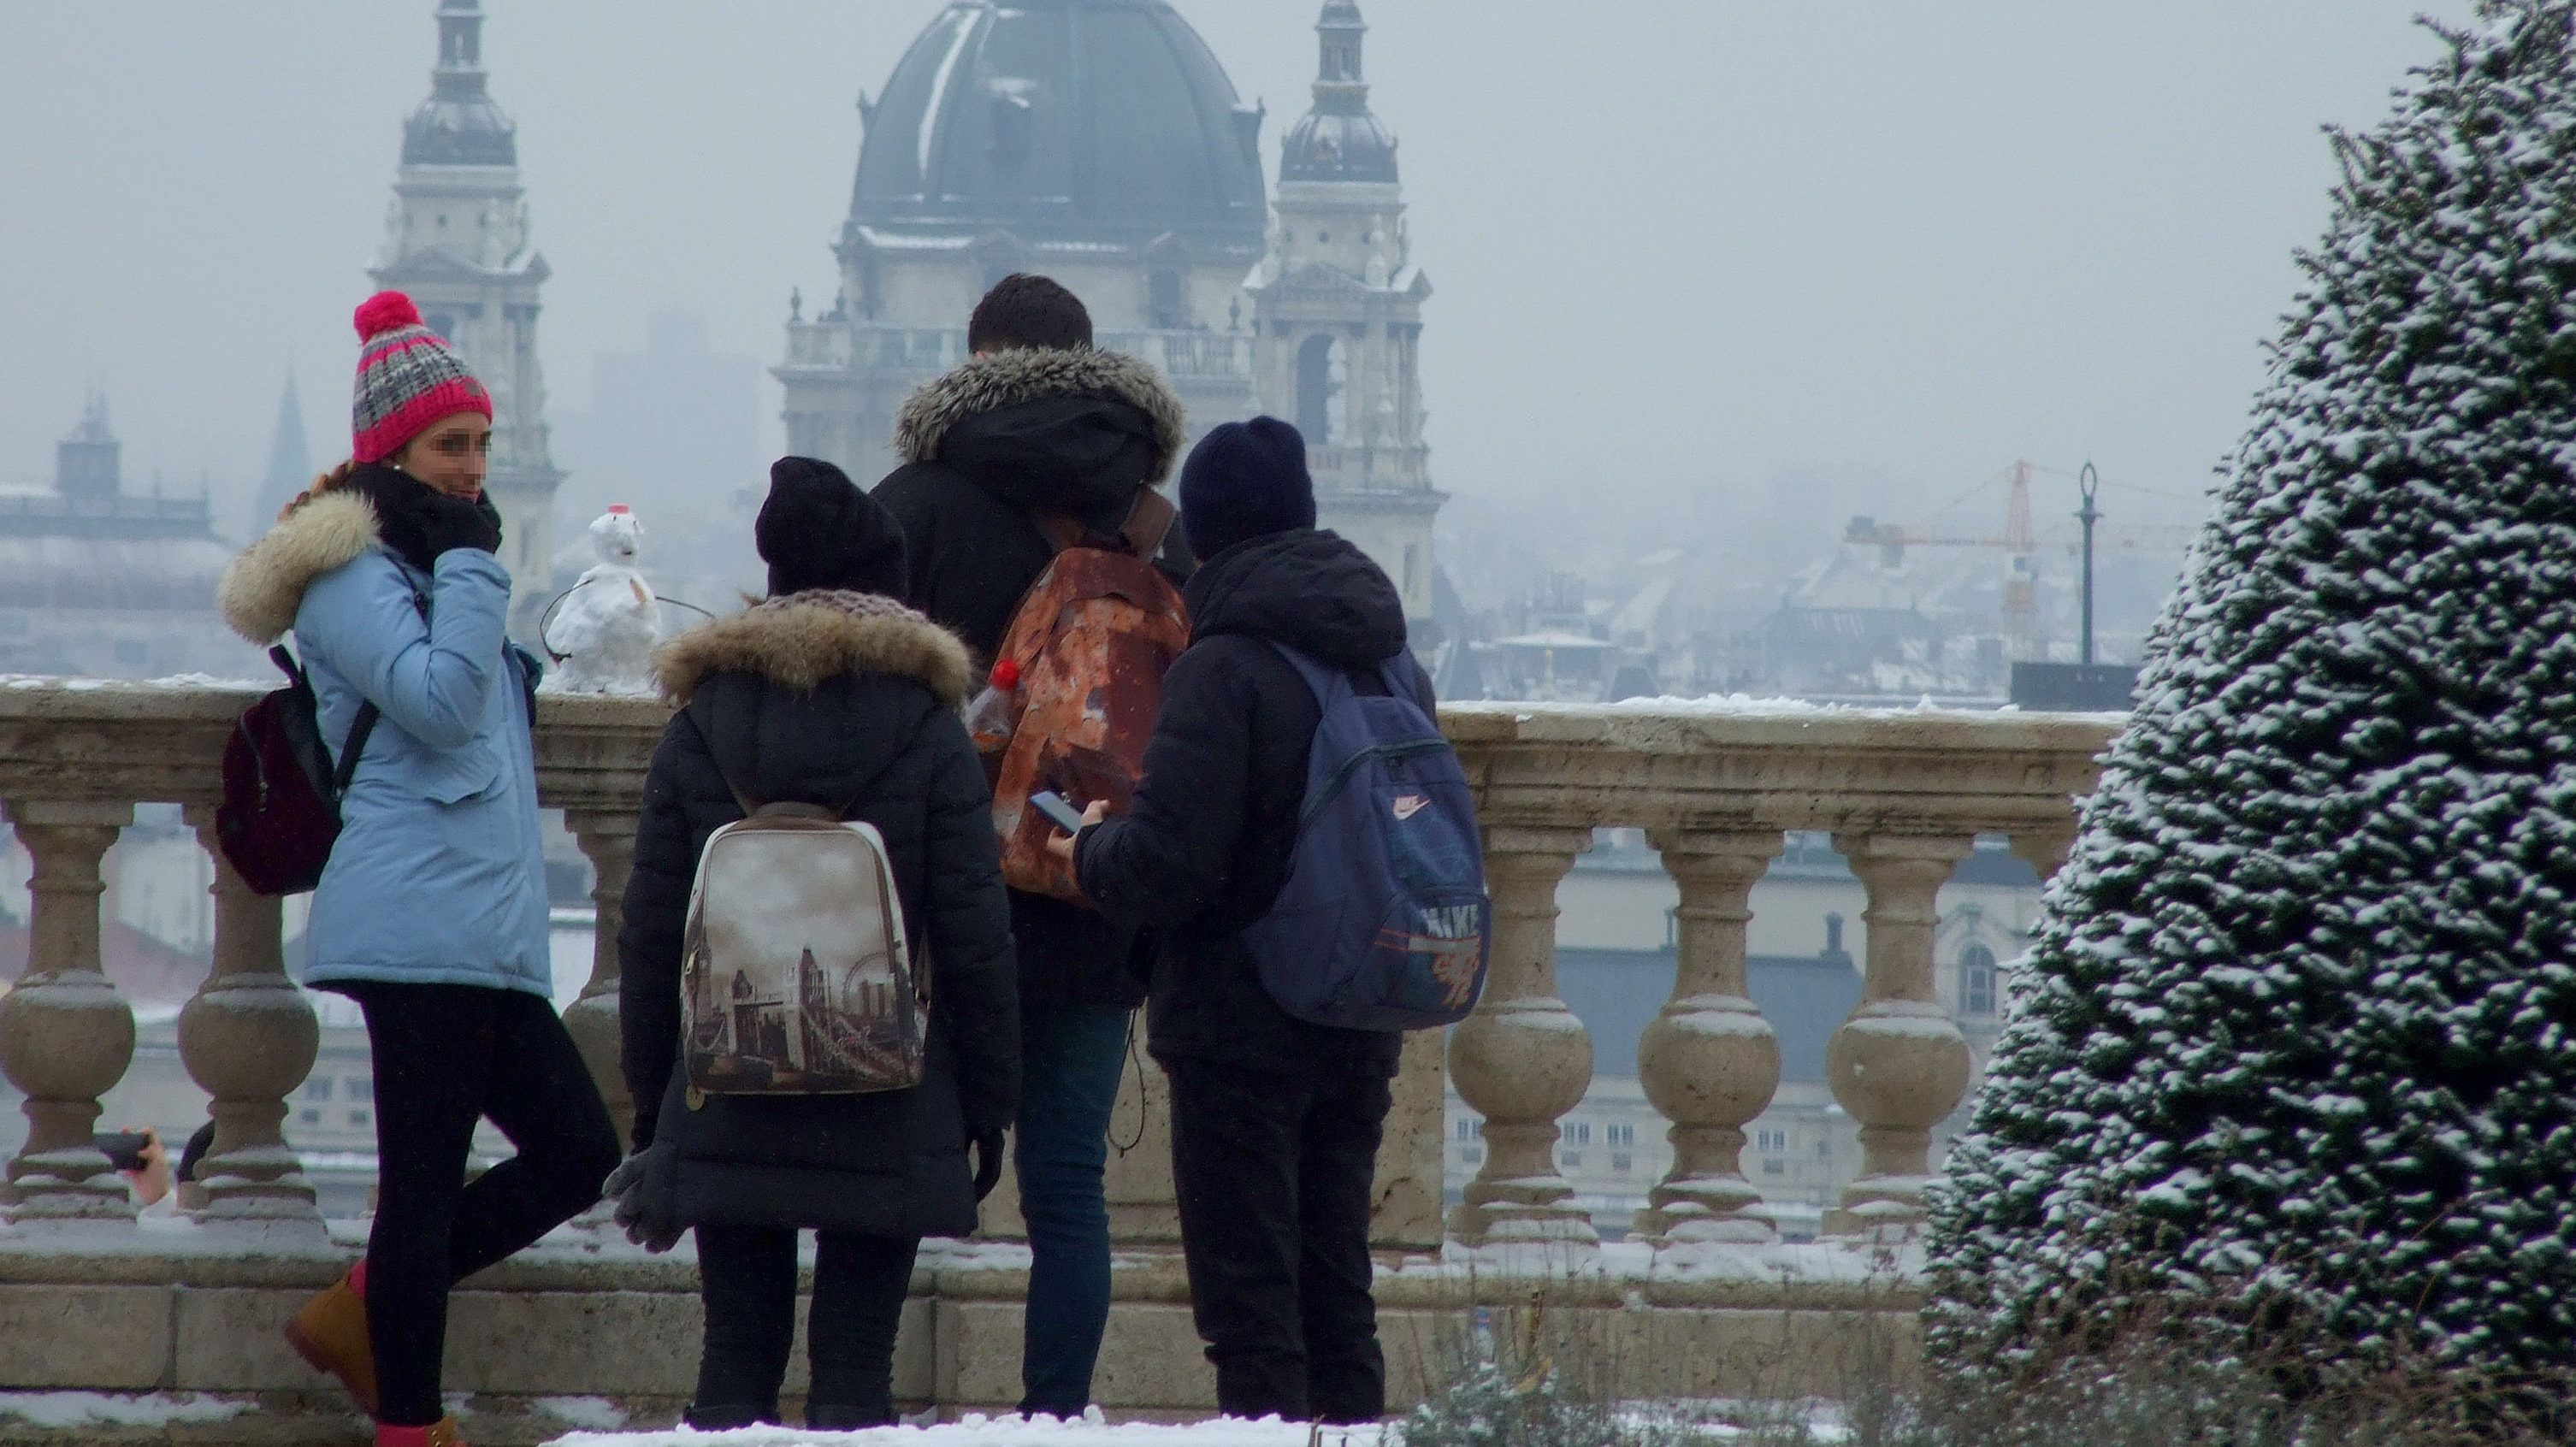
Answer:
(1006, 674)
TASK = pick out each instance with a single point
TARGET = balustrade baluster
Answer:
(249, 1036)
(1709, 1061)
(1522, 1059)
(66, 1035)
(607, 837)
(1899, 1065)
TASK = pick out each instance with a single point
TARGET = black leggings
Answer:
(748, 1276)
(445, 1057)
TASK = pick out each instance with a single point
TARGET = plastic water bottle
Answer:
(996, 711)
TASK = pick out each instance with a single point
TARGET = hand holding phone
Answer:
(1058, 811)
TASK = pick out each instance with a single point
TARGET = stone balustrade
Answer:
(1904, 796)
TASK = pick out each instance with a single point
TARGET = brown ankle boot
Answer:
(331, 1333)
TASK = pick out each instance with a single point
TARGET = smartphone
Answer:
(123, 1148)
(1058, 812)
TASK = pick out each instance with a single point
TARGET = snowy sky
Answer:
(1684, 248)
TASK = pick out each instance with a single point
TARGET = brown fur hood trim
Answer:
(265, 585)
(805, 638)
(1026, 374)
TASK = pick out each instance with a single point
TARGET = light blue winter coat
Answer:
(438, 876)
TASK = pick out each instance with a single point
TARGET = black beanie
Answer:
(817, 530)
(1244, 480)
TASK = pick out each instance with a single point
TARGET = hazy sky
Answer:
(1681, 246)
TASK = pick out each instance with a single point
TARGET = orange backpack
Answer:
(1092, 640)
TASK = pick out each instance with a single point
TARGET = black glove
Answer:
(451, 522)
(626, 1187)
(988, 1162)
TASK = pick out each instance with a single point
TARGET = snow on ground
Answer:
(1005, 1432)
(58, 1411)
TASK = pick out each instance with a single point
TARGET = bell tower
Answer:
(1337, 310)
(457, 241)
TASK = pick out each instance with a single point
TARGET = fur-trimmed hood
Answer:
(263, 587)
(1033, 374)
(803, 639)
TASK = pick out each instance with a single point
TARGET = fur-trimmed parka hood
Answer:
(1011, 380)
(263, 587)
(801, 640)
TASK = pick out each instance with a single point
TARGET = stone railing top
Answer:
(1720, 763)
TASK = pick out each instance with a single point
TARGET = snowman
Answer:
(607, 625)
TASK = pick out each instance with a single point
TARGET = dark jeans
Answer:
(445, 1057)
(1070, 1060)
(1275, 1175)
(747, 1276)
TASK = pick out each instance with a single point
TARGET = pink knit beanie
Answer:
(407, 379)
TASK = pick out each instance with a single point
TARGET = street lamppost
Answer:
(2090, 483)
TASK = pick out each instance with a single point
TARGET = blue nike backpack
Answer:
(1384, 923)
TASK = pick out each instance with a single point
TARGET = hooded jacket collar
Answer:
(263, 587)
(996, 380)
(801, 640)
(1310, 589)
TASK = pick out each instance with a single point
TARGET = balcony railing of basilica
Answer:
(1903, 794)
(827, 345)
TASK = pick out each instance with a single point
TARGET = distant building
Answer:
(1100, 142)
(457, 240)
(290, 464)
(97, 581)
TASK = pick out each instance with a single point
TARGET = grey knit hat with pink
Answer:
(408, 379)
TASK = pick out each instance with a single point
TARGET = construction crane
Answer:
(2021, 542)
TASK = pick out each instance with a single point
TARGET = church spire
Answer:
(1339, 140)
(290, 461)
(1341, 84)
(459, 125)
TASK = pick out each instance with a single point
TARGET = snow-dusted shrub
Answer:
(2295, 1054)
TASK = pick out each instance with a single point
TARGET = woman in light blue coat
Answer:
(432, 911)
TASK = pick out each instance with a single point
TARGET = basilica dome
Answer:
(1103, 121)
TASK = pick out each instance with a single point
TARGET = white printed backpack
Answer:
(795, 977)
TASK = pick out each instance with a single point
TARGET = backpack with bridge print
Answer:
(795, 976)
(1384, 923)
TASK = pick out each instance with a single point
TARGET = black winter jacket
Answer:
(1002, 437)
(825, 698)
(1205, 850)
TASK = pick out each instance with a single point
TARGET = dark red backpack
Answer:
(280, 812)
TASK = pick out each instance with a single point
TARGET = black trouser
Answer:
(445, 1057)
(1274, 1175)
(747, 1275)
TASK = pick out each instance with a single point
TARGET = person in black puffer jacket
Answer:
(1275, 1121)
(1039, 421)
(826, 693)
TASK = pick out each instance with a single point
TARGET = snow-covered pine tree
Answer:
(2299, 1029)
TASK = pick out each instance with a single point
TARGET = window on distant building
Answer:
(1570, 1160)
(358, 1119)
(1622, 1161)
(318, 1088)
(1463, 1130)
(1770, 1139)
(362, 1087)
(1775, 1167)
(1976, 981)
(1472, 1155)
(310, 1117)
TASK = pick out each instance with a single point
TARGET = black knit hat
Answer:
(818, 530)
(1245, 480)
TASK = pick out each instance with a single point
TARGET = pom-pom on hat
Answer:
(408, 379)
(818, 530)
(1243, 481)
